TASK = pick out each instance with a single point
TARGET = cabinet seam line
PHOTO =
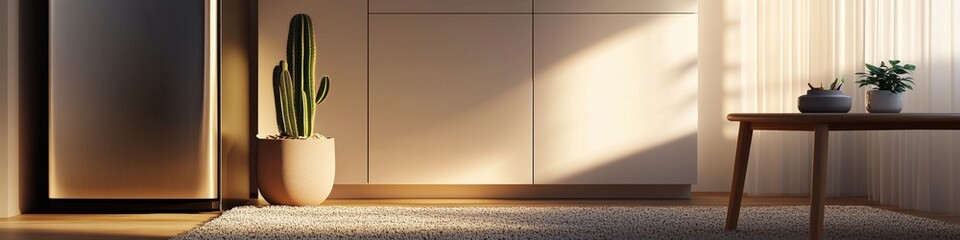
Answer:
(368, 92)
(533, 97)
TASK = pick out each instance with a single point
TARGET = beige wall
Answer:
(719, 76)
(236, 135)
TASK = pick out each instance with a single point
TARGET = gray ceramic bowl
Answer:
(825, 101)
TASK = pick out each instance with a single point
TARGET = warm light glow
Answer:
(212, 93)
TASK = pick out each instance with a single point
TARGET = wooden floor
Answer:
(166, 225)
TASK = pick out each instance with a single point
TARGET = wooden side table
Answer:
(821, 124)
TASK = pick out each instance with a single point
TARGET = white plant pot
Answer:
(295, 171)
(884, 101)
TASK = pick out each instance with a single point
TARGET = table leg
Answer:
(818, 179)
(739, 174)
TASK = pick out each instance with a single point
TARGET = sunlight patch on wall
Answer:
(622, 95)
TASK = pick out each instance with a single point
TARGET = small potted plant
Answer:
(889, 84)
(296, 166)
(820, 100)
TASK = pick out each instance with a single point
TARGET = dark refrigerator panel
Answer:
(133, 105)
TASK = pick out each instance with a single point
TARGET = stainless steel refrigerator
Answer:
(133, 101)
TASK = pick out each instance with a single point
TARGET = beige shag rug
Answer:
(399, 222)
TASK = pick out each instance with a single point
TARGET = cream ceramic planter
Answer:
(884, 101)
(295, 171)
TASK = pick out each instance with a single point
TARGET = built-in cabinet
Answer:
(508, 91)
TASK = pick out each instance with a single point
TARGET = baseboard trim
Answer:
(134, 205)
(518, 191)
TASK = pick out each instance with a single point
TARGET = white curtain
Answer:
(917, 169)
(787, 44)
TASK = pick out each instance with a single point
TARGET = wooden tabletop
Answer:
(849, 121)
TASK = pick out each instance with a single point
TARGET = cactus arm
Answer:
(283, 92)
(324, 89)
(289, 108)
(278, 98)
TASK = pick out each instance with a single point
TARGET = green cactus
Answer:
(293, 83)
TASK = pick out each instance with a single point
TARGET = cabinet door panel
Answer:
(450, 99)
(615, 99)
